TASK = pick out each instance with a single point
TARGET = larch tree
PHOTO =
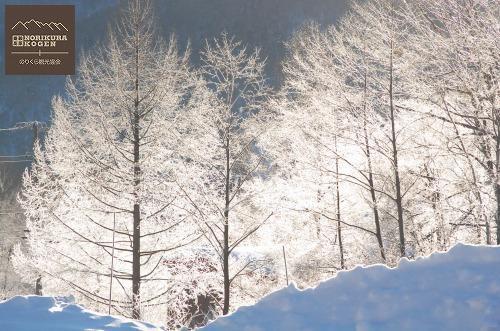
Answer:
(226, 151)
(312, 127)
(361, 71)
(385, 32)
(102, 208)
(328, 103)
(458, 49)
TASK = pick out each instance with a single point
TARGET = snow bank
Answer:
(457, 290)
(30, 313)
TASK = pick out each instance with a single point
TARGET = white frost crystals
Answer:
(359, 155)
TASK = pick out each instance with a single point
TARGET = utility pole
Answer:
(286, 268)
(112, 264)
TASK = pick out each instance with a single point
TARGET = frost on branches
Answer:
(179, 191)
(103, 190)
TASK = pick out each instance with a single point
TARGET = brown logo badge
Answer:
(39, 39)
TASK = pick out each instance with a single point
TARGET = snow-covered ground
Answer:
(455, 291)
(35, 313)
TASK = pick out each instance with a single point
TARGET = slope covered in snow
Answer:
(457, 290)
(29, 313)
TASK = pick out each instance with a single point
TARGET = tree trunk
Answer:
(225, 267)
(339, 227)
(136, 239)
(136, 249)
(38, 282)
(488, 229)
(376, 217)
(497, 180)
(397, 180)
(38, 286)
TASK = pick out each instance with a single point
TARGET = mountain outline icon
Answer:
(35, 24)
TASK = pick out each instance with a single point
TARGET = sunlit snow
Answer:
(29, 313)
(458, 290)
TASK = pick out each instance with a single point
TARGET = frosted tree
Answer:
(311, 128)
(363, 71)
(334, 63)
(326, 75)
(100, 199)
(457, 72)
(225, 149)
(385, 32)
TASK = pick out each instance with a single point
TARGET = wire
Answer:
(13, 156)
(18, 161)
(26, 126)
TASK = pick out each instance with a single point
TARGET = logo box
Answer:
(39, 39)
